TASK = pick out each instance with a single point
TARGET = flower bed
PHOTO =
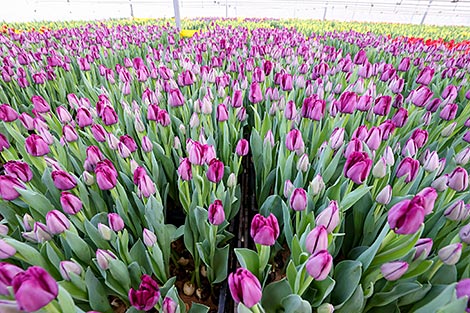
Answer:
(131, 153)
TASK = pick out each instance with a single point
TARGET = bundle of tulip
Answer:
(108, 132)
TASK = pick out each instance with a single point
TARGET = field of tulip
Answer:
(253, 165)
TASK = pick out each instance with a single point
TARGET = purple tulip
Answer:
(463, 290)
(115, 222)
(458, 179)
(355, 145)
(408, 167)
(264, 230)
(336, 138)
(420, 137)
(147, 296)
(149, 237)
(319, 265)
(237, 99)
(464, 234)
(7, 273)
(109, 116)
(374, 138)
(36, 146)
(421, 96)
(99, 133)
(392, 271)
(429, 196)
(8, 185)
(364, 103)
(382, 105)
(222, 113)
(294, 141)
(298, 199)
(244, 287)
(103, 257)
(175, 98)
(449, 111)
(169, 305)
(385, 195)
(40, 104)
(360, 133)
(423, 247)
(357, 167)
(57, 222)
(313, 108)
(63, 180)
(71, 204)
(145, 185)
(216, 214)
(255, 95)
(6, 251)
(457, 211)
(184, 169)
(406, 216)
(34, 281)
(404, 65)
(290, 112)
(317, 240)
(7, 114)
(360, 57)
(347, 102)
(106, 175)
(450, 254)
(329, 217)
(425, 76)
(19, 169)
(286, 82)
(215, 172)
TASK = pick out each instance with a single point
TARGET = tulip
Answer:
(392, 271)
(106, 175)
(423, 247)
(6, 251)
(425, 76)
(184, 169)
(290, 112)
(347, 102)
(169, 305)
(84, 117)
(450, 254)
(241, 114)
(264, 230)
(337, 138)
(357, 167)
(298, 199)
(429, 196)
(409, 167)
(147, 145)
(449, 130)
(4, 143)
(317, 240)
(8, 186)
(34, 281)
(462, 289)
(431, 162)
(462, 158)
(364, 103)
(237, 99)
(382, 105)
(457, 211)
(68, 268)
(222, 113)
(105, 232)
(7, 273)
(175, 98)
(294, 141)
(374, 138)
(71, 204)
(360, 58)
(303, 163)
(244, 287)
(242, 147)
(163, 118)
(36, 146)
(57, 222)
(269, 138)
(329, 217)
(400, 117)
(404, 65)
(421, 96)
(464, 234)
(409, 149)
(380, 169)
(40, 104)
(406, 216)
(319, 265)
(288, 188)
(433, 105)
(385, 195)
(99, 133)
(7, 114)
(19, 170)
(458, 179)
(115, 222)
(216, 214)
(420, 137)
(449, 111)
(109, 116)
(150, 239)
(313, 108)
(103, 257)
(255, 95)
(144, 183)
(147, 296)
(63, 180)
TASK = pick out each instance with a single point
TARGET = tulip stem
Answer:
(255, 309)
(51, 308)
(436, 266)
(297, 222)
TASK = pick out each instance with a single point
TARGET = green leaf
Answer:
(65, 300)
(36, 201)
(274, 293)
(399, 290)
(323, 289)
(458, 305)
(248, 259)
(198, 308)
(78, 246)
(367, 256)
(437, 297)
(295, 304)
(353, 197)
(347, 276)
(354, 304)
(97, 293)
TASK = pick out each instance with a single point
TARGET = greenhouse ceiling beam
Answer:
(176, 7)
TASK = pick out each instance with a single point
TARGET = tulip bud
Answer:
(294, 141)
(464, 234)
(431, 162)
(319, 265)
(423, 247)
(215, 172)
(3, 229)
(103, 257)
(264, 230)
(41, 233)
(458, 179)
(298, 199)
(447, 132)
(169, 305)
(269, 138)
(380, 169)
(462, 288)
(337, 138)
(429, 196)
(329, 217)
(242, 147)
(184, 169)
(392, 271)
(326, 308)
(147, 296)
(457, 211)
(385, 195)
(317, 185)
(67, 268)
(150, 239)
(288, 188)
(216, 214)
(357, 167)
(408, 167)
(88, 178)
(231, 180)
(6, 251)
(450, 254)
(115, 222)
(406, 216)
(317, 240)
(303, 163)
(57, 222)
(147, 145)
(244, 287)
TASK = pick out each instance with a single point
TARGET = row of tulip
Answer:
(358, 142)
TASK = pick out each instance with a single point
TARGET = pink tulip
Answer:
(294, 141)
(147, 296)
(215, 172)
(357, 167)
(392, 271)
(216, 214)
(406, 216)
(264, 230)
(70, 203)
(244, 287)
(40, 104)
(19, 169)
(408, 167)
(184, 169)
(63, 180)
(242, 147)
(36, 146)
(319, 265)
(106, 175)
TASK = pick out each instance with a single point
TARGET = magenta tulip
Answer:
(8, 186)
(458, 179)
(244, 287)
(70, 203)
(184, 169)
(216, 214)
(147, 296)
(264, 230)
(298, 199)
(36, 146)
(57, 222)
(319, 265)
(7, 273)
(408, 167)
(317, 240)
(406, 216)
(19, 169)
(40, 104)
(63, 180)
(255, 95)
(106, 175)
(215, 172)
(294, 141)
(357, 167)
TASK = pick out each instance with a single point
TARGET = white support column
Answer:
(176, 7)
